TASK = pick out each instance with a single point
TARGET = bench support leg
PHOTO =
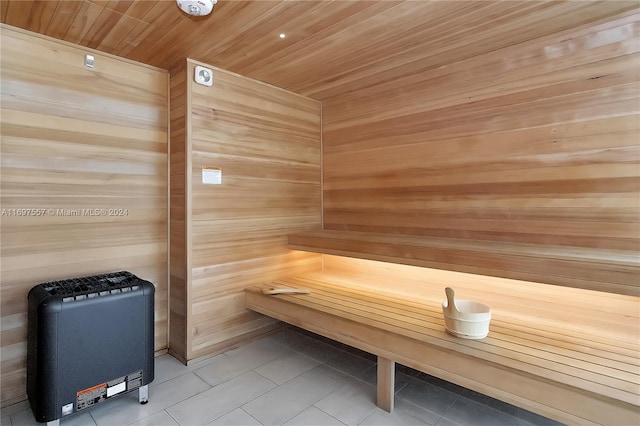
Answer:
(386, 383)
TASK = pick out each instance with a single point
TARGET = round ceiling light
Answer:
(197, 7)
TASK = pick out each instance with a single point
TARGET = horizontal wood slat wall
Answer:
(77, 138)
(267, 143)
(535, 143)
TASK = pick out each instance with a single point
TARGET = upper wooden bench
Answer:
(572, 356)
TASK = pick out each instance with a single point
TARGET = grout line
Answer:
(268, 379)
(169, 414)
(249, 414)
(400, 388)
(328, 414)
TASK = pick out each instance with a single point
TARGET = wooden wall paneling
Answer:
(180, 215)
(4, 8)
(77, 138)
(531, 146)
(40, 15)
(18, 12)
(83, 22)
(616, 272)
(257, 30)
(101, 28)
(331, 48)
(231, 18)
(118, 33)
(121, 6)
(267, 143)
(610, 41)
(315, 27)
(63, 18)
(140, 8)
(142, 29)
(447, 40)
(174, 25)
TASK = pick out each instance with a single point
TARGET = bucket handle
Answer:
(451, 300)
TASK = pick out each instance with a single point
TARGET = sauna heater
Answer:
(90, 339)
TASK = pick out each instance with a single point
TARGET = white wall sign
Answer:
(212, 175)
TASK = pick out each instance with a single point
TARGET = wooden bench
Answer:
(542, 354)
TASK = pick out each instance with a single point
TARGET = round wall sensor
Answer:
(203, 76)
(197, 7)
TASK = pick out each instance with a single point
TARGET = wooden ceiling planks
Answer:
(331, 48)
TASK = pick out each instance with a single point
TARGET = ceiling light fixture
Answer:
(196, 7)
(282, 35)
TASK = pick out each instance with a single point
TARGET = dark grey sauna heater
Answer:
(90, 339)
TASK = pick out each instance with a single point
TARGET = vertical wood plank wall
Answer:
(179, 214)
(267, 143)
(77, 138)
(536, 143)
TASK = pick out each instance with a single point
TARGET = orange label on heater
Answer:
(92, 389)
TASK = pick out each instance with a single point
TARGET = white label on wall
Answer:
(212, 175)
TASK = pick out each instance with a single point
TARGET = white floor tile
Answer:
(167, 368)
(226, 367)
(24, 418)
(446, 422)
(237, 417)
(15, 408)
(351, 403)
(307, 371)
(466, 412)
(291, 398)
(350, 363)
(285, 368)
(217, 401)
(159, 419)
(404, 414)
(238, 361)
(371, 376)
(313, 417)
(126, 409)
(427, 396)
(333, 373)
(321, 351)
(259, 352)
(78, 419)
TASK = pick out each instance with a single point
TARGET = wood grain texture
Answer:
(267, 143)
(614, 271)
(331, 48)
(74, 139)
(386, 378)
(522, 162)
(569, 354)
(179, 214)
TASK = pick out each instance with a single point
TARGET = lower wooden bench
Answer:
(566, 374)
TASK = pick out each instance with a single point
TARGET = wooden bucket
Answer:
(465, 318)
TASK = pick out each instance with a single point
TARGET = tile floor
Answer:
(290, 378)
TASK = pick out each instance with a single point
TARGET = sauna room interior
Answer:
(372, 153)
